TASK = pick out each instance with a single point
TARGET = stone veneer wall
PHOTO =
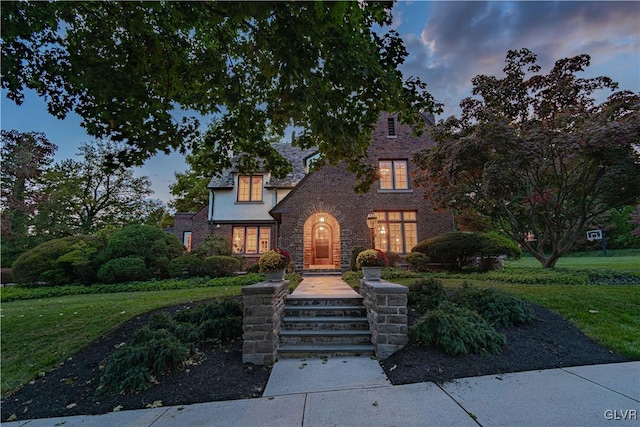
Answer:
(386, 305)
(261, 321)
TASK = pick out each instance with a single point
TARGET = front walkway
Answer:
(328, 287)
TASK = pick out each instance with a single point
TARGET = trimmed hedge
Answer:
(455, 250)
(188, 265)
(123, 269)
(58, 262)
(221, 266)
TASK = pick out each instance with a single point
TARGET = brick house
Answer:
(316, 215)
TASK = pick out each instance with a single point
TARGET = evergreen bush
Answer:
(187, 265)
(457, 330)
(151, 244)
(497, 307)
(418, 261)
(426, 294)
(221, 266)
(124, 269)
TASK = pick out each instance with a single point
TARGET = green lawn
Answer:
(618, 263)
(39, 334)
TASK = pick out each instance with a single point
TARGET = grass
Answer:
(39, 334)
(618, 263)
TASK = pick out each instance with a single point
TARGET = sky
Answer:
(449, 42)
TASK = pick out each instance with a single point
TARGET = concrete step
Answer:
(298, 350)
(325, 311)
(321, 337)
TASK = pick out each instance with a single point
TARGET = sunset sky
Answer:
(449, 42)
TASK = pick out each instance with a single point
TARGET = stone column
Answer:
(386, 305)
(261, 322)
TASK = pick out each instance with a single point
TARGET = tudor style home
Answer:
(316, 215)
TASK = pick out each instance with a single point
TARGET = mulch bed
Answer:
(70, 389)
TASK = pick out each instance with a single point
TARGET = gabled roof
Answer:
(295, 155)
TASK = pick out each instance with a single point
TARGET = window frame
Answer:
(250, 189)
(400, 225)
(187, 238)
(393, 172)
(261, 232)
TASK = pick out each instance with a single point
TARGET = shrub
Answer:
(166, 342)
(455, 250)
(392, 259)
(354, 254)
(426, 294)
(418, 261)
(371, 258)
(214, 245)
(497, 307)
(188, 265)
(221, 266)
(457, 330)
(149, 243)
(253, 268)
(58, 262)
(123, 270)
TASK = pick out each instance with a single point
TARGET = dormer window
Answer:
(391, 128)
(250, 188)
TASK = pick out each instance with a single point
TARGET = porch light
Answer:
(372, 222)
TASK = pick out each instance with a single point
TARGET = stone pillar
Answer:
(386, 305)
(261, 322)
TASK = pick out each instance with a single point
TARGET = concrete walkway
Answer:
(597, 395)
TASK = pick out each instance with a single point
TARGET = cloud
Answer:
(462, 39)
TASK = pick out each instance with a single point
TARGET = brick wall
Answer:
(330, 190)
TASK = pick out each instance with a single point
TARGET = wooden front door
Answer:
(322, 245)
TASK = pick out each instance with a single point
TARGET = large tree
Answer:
(86, 195)
(536, 153)
(141, 72)
(25, 157)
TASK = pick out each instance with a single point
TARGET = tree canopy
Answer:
(145, 73)
(537, 154)
(84, 195)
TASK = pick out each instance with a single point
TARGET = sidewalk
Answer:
(353, 392)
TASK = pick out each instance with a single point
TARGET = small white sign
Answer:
(594, 235)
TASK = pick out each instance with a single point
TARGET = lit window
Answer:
(250, 188)
(393, 175)
(251, 240)
(391, 127)
(186, 240)
(396, 231)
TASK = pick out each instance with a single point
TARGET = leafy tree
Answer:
(25, 156)
(129, 69)
(621, 233)
(190, 189)
(86, 195)
(536, 153)
(156, 214)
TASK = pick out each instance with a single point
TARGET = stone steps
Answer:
(325, 326)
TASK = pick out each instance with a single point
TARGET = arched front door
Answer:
(321, 244)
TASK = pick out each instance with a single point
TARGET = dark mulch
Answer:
(70, 389)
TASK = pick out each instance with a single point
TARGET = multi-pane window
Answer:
(391, 127)
(251, 240)
(397, 231)
(393, 175)
(250, 188)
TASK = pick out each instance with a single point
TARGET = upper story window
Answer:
(250, 188)
(393, 175)
(391, 127)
